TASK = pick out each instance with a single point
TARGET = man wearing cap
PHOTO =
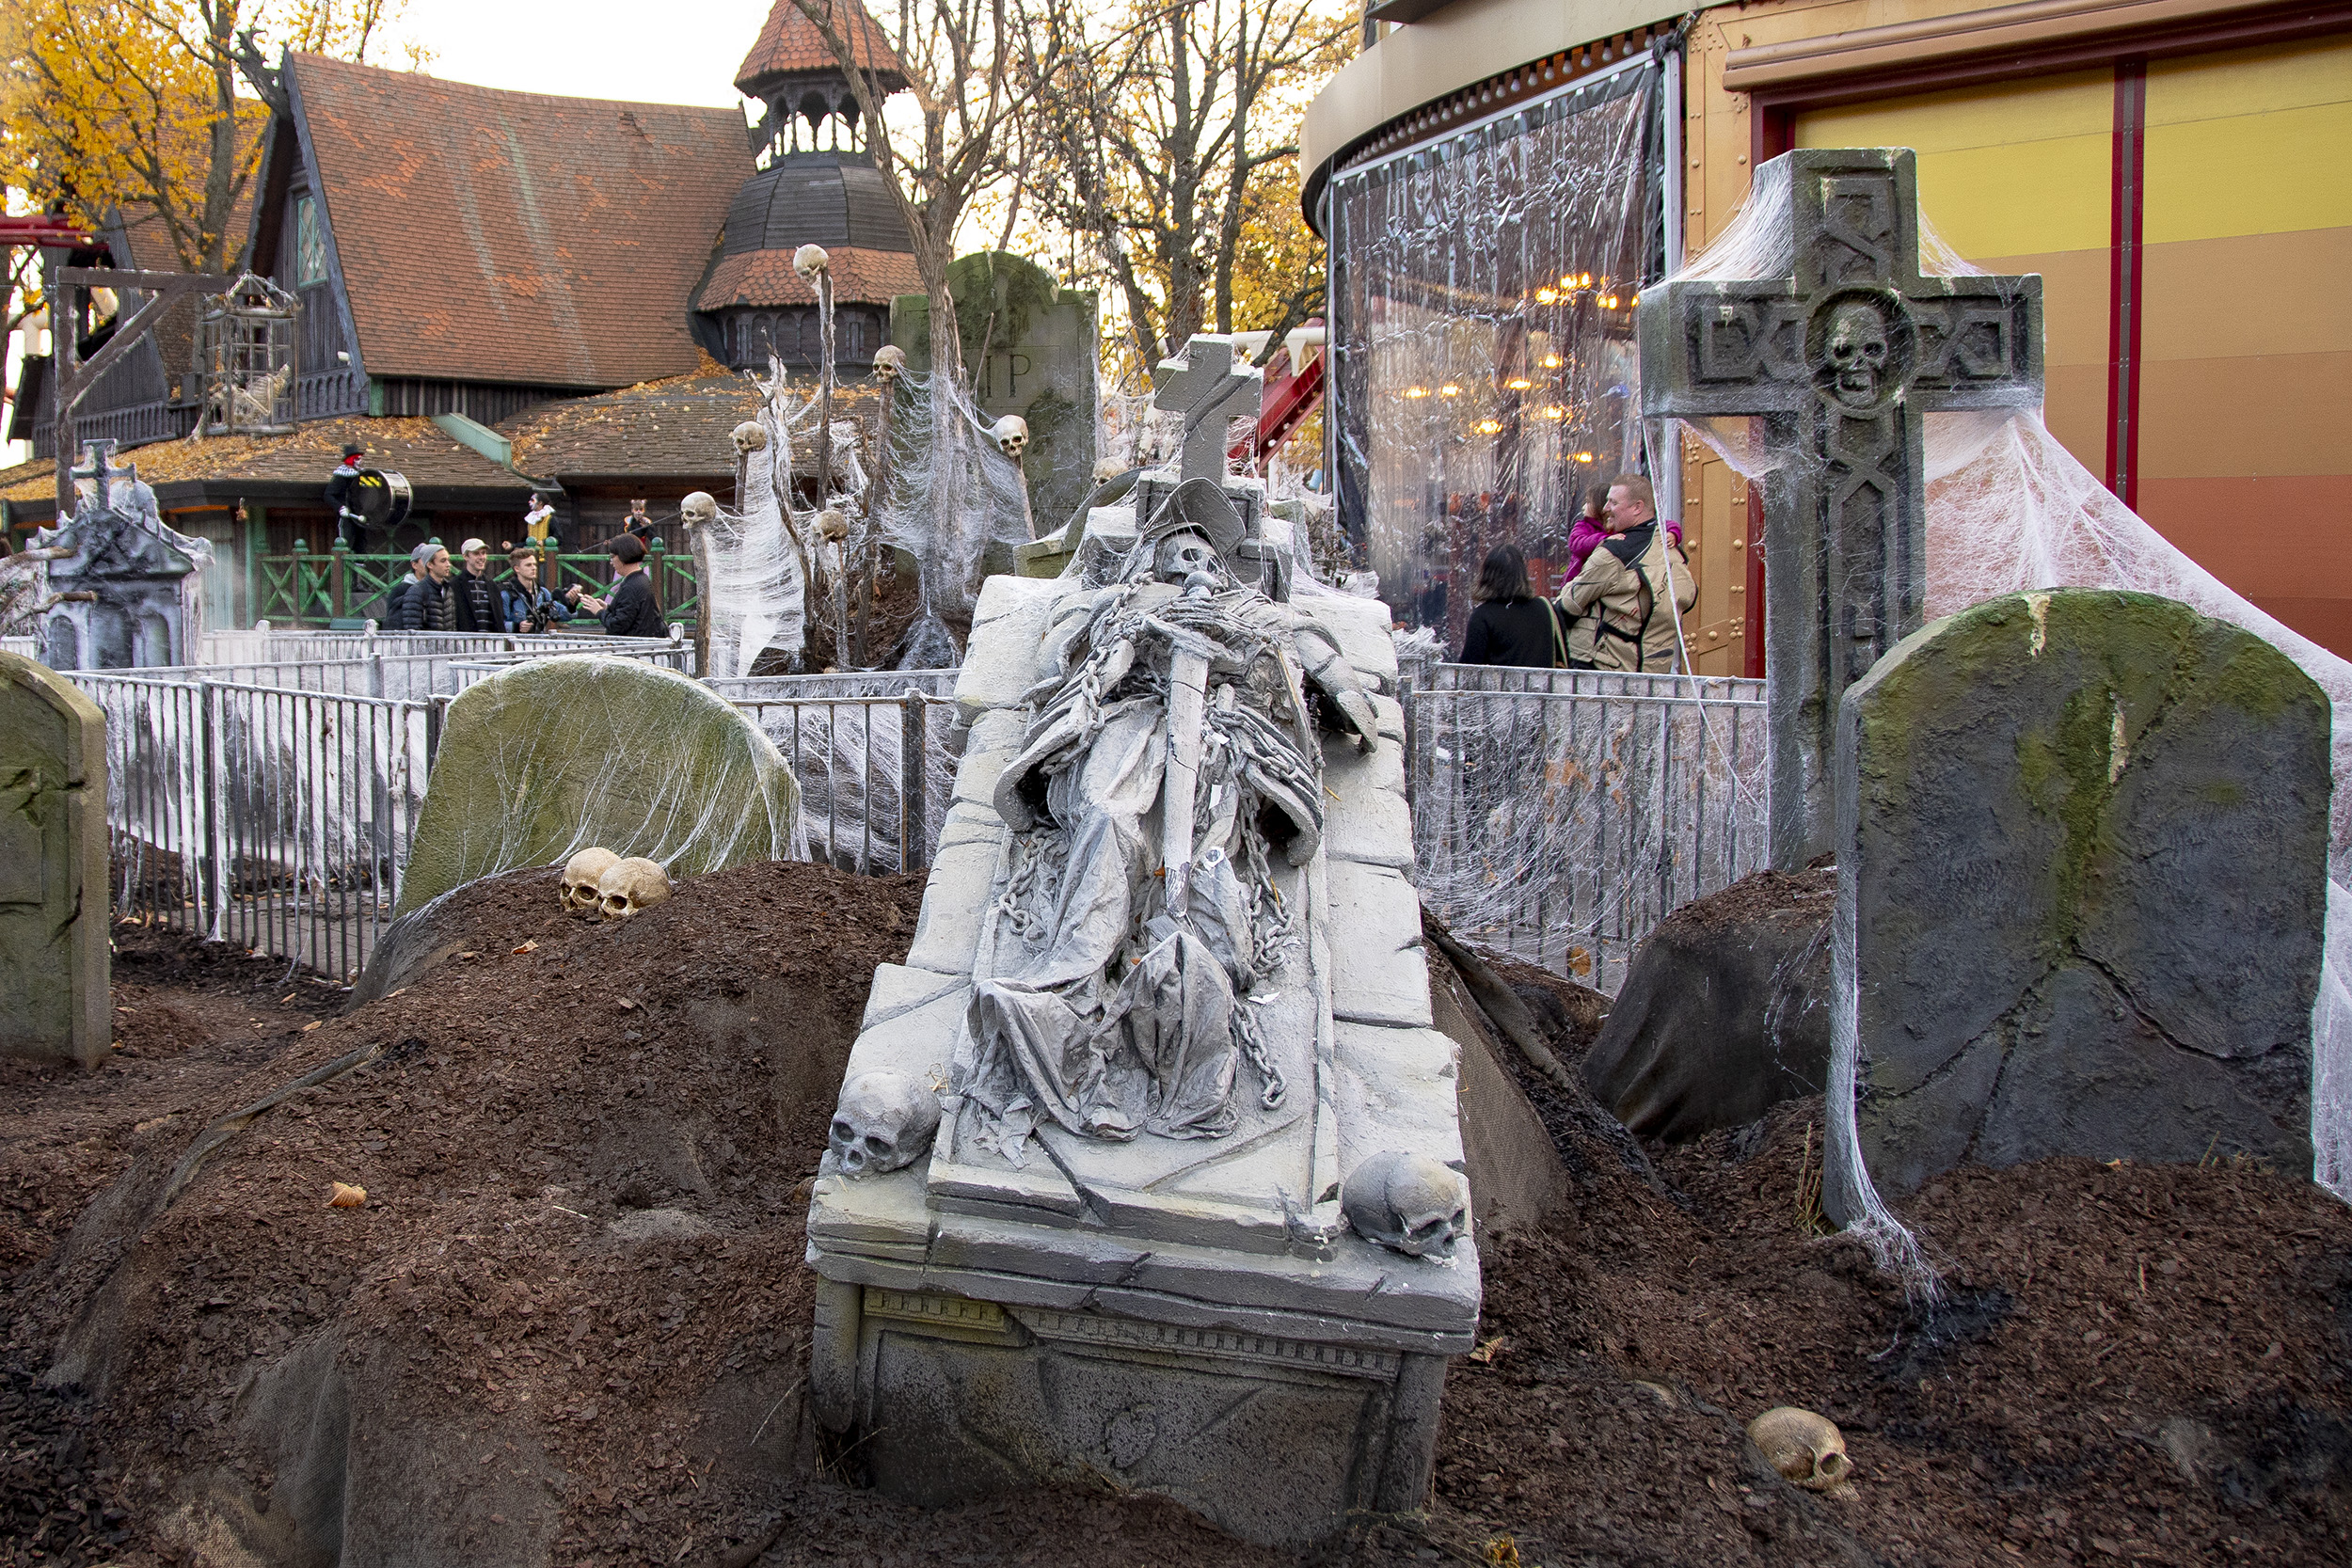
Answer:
(348, 523)
(630, 609)
(478, 609)
(428, 604)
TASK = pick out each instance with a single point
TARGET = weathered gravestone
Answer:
(552, 757)
(53, 974)
(125, 585)
(1192, 1222)
(1841, 360)
(2082, 876)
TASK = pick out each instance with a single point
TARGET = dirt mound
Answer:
(569, 1324)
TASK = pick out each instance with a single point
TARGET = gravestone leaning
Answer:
(54, 997)
(1841, 360)
(552, 757)
(2082, 876)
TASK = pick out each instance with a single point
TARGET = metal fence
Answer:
(417, 674)
(872, 755)
(277, 819)
(1559, 816)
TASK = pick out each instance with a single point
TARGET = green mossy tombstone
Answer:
(56, 995)
(2082, 868)
(551, 757)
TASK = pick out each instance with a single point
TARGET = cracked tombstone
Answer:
(2082, 879)
(1841, 360)
(54, 995)
(1169, 988)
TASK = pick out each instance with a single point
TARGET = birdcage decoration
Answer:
(244, 351)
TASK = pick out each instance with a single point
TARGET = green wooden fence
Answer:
(317, 588)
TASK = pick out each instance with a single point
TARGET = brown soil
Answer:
(569, 1322)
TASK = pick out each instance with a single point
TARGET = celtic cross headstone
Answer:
(1842, 360)
(1211, 391)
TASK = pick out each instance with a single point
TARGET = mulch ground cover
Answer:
(569, 1322)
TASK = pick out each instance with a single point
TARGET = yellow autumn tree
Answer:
(155, 107)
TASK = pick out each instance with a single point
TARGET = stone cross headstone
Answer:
(2082, 876)
(1211, 388)
(1842, 359)
(54, 997)
(552, 757)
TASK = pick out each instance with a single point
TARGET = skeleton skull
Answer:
(749, 436)
(890, 361)
(1012, 436)
(699, 509)
(579, 879)
(1802, 1447)
(1179, 555)
(629, 887)
(1106, 469)
(1408, 1203)
(1857, 351)
(885, 1121)
(810, 260)
(832, 526)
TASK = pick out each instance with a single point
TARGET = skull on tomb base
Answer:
(699, 509)
(885, 1121)
(580, 875)
(810, 260)
(1857, 353)
(749, 436)
(630, 887)
(890, 361)
(1407, 1203)
(1805, 1448)
(1012, 436)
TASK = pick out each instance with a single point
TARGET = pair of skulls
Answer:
(885, 1121)
(1408, 1203)
(600, 882)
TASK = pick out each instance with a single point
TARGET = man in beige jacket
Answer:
(1633, 587)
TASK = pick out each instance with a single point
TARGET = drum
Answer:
(382, 500)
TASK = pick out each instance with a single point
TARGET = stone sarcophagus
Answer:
(1147, 1171)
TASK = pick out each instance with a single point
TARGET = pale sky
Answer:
(670, 51)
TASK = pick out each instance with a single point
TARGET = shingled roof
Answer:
(790, 44)
(766, 278)
(417, 449)
(514, 237)
(681, 426)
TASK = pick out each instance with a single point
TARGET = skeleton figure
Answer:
(1857, 350)
(1173, 757)
(1408, 1203)
(884, 1122)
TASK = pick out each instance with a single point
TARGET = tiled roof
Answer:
(677, 427)
(765, 278)
(417, 449)
(513, 237)
(791, 42)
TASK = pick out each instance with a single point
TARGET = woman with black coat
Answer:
(630, 609)
(1508, 624)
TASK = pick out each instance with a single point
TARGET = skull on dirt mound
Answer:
(580, 875)
(630, 887)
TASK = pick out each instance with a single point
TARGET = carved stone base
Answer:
(1273, 1439)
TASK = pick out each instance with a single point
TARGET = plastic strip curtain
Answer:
(1483, 347)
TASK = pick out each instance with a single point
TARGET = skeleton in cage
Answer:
(1173, 757)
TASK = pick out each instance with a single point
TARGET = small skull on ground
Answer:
(749, 436)
(810, 260)
(1805, 1448)
(699, 509)
(1012, 436)
(884, 1122)
(1408, 1203)
(580, 874)
(629, 887)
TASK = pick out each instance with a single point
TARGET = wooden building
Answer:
(2179, 171)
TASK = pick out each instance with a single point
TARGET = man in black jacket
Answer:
(630, 609)
(430, 604)
(478, 609)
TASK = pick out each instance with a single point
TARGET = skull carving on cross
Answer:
(884, 1122)
(1858, 350)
